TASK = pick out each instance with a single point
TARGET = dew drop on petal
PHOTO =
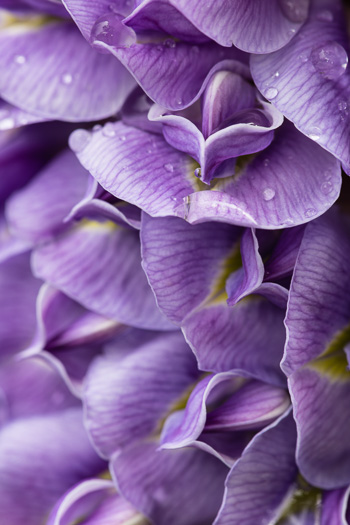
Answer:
(266, 162)
(295, 10)
(327, 187)
(170, 43)
(110, 30)
(20, 59)
(314, 133)
(79, 139)
(97, 127)
(303, 57)
(310, 212)
(268, 194)
(325, 16)
(179, 101)
(197, 172)
(330, 60)
(122, 138)
(108, 130)
(67, 78)
(169, 167)
(271, 93)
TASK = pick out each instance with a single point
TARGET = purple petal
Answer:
(254, 26)
(226, 94)
(159, 483)
(37, 211)
(282, 260)
(85, 14)
(40, 460)
(312, 88)
(32, 387)
(18, 293)
(287, 184)
(249, 336)
(320, 393)
(182, 72)
(250, 406)
(334, 506)
(96, 502)
(242, 283)
(260, 480)
(181, 269)
(138, 167)
(99, 265)
(319, 302)
(126, 398)
(55, 53)
(12, 117)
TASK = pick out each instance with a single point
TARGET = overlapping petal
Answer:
(98, 264)
(159, 483)
(255, 27)
(307, 79)
(18, 292)
(260, 480)
(49, 69)
(317, 332)
(37, 211)
(127, 397)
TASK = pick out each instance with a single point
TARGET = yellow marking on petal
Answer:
(305, 498)
(333, 361)
(105, 475)
(230, 264)
(240, 168)
(17, 24)
(178, 404)
(97, 225)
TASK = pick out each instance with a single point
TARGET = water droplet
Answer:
(79, 139)
(97, 127)
(295, 10)
(169, 167)
(330, 60)
(122, 138)
(271, 93)
(266, 162)
(303, 57)
(342, 105)
(277, 74)
(179, 101)
(314, 133)
(268, 194)
(170, 43)
(67, 78)
(325, 16)
(310, 212)
(110, 30)
(198, 172)
(327, 187)
(20, 59)
(108, 130)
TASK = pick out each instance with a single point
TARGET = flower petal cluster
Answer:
(174, 262)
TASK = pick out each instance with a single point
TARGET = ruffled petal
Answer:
(253, 26)
(287, 184)
(126, 398)
(307, 79)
